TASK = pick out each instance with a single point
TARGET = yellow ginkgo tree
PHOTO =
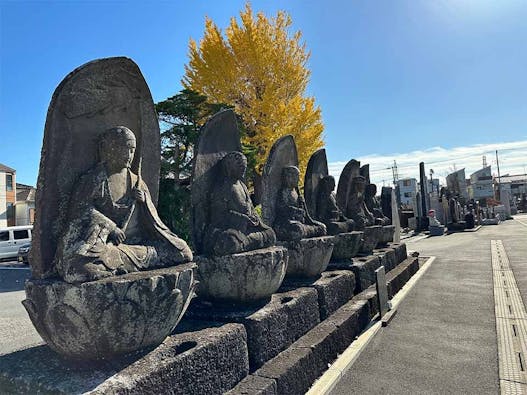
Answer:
(259, 67)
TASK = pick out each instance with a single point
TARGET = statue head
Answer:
(117, 147)
(371, 190)
(290, 176)
(234, 165)
(327, 184)
(358, 184)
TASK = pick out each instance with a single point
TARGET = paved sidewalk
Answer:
(443, 338)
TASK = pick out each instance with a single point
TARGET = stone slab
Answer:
(400, 251)
(254, 385)
(271, 328)
(209, 361)
(364, 270)
(334, 288)
(401, 274)
(371, 237)
(382, 291)
(387, 256)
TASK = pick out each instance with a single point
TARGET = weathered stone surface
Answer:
(382, 291)
(209, 361)
(334, 289)
(350, 320)
(347, 245)
(400, 251)
(372, 236)
(320, 197)
(242, 278)
(364, 270)
(93, 98)
(308, 257)
(254, 385)
(224, 220)
(116, 315)
(387, 257)
(270, 328)
(401, 274)
(387, 234)
(369, 295)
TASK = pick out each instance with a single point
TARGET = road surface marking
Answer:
(511, 324)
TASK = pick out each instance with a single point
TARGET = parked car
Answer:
(23, 253)
(12, 238)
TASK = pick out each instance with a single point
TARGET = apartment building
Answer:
(7, 196)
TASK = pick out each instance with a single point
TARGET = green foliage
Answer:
(174, 207)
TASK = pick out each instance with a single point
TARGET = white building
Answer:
(7, 196)
(407, 190)
(25, 204)
(516, 185)
(481, 187)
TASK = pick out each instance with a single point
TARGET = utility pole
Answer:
(484, 161)
(498, 194)
(395, 173)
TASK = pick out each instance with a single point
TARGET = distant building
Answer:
(433, 185)
(407, 190)
(515, 184)
(7, 196)
(25, 204)
(481, 186)
(457, 183)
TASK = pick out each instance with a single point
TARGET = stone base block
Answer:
(401, 274)
(400, 251)
(387, 257)
(294, 370)
(372, 237)
(387, 234)
(456, 226)
(209, 361)
(112, 316)
(308, 257)
(270, 328)
(436, 230)
(364, 270)
(334, 288)
(347, 245)
(242, 278)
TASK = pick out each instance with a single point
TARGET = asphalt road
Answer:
(443, 338)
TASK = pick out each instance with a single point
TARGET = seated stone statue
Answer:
(234, 224)
(357, 209)
(374, 206)
(292, 221)
(113, 226)
(328, 211)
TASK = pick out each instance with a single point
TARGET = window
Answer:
(9, 182)
(407, 183)
(21, 234)
(408, 194)
(10, 211)
(4, 236)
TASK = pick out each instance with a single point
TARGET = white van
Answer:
(11, 238)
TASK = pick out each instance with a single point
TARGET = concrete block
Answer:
(364, 270)
(387, 256)
(400, 251)
(401, 274)
(254, 385)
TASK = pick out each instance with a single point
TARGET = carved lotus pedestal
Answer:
(372, 237)
(308, 257)
(347, 245)
(387, 234)
(242, 278)
(116, 315)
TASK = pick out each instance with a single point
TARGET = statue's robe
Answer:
(85, 251)
(329, 214)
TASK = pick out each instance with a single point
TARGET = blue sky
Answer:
(392, 77)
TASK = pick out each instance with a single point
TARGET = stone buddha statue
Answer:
(327, 210)
(374, 206)
(234, 223)
(292, 221)
(357, 209)
(113, 226)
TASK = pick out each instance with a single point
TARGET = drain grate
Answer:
(511, 324)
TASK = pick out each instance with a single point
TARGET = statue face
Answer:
(118, 148)
(329, 183)
(235, 165)
(291, 177)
